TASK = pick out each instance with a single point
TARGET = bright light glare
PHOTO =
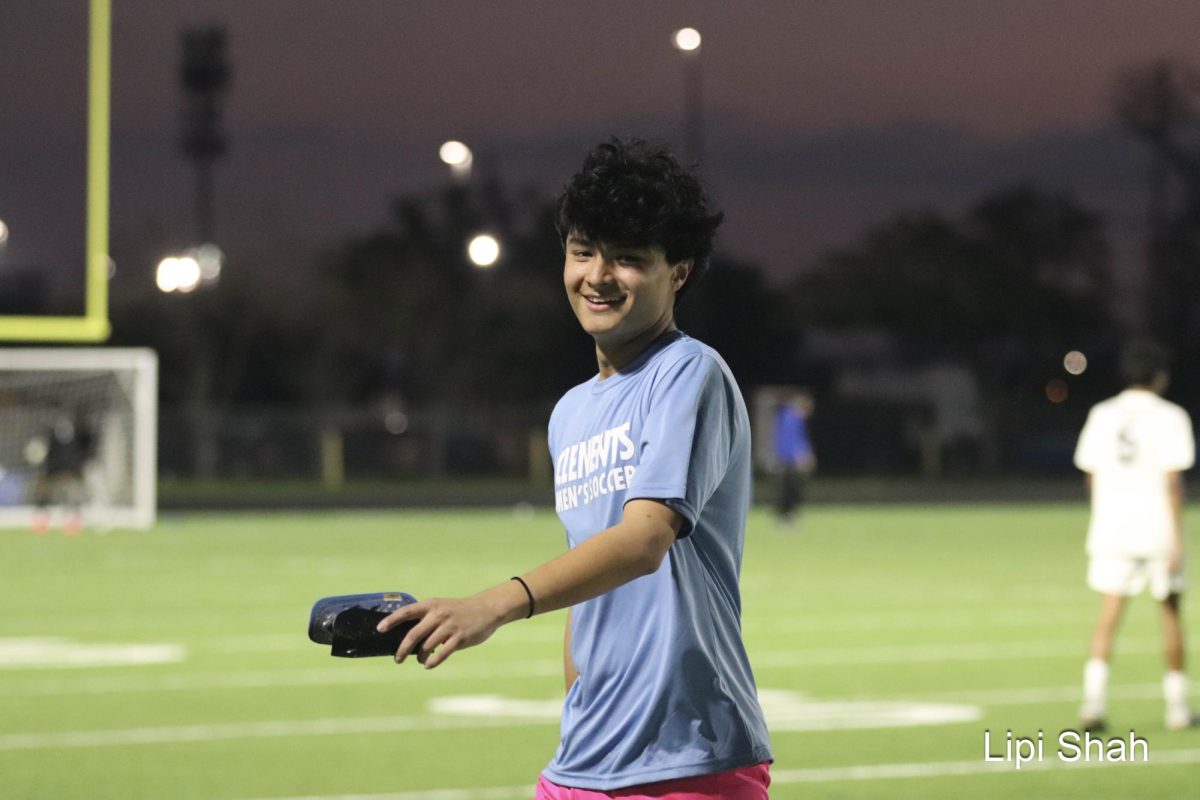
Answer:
(210, 259)
(484, 250)
(3, 232)
(167, 275)
(1056, 391)
(687, 39)
(396, 422)
(1075, 362)
(177, 274)
(455, 154)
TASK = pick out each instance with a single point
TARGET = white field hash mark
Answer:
(864, 772)
(56, 653)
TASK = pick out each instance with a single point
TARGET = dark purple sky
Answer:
(822, 117)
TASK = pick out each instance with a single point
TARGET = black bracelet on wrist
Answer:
(525, 586)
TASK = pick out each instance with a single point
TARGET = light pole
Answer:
(205, 74)
(687, 42)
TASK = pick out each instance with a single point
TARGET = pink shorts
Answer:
(746, 783)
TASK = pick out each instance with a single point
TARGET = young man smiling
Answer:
(652, 473)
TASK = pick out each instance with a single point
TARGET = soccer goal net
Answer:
(78, 436)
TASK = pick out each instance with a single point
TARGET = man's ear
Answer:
(680, 272)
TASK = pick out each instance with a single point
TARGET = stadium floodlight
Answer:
(1075, 362)
(454, 153)
(458, 157)
(686, 39)
(210, 260)
(178, 274)
(3, 232)
(166, 276)
(484, 250)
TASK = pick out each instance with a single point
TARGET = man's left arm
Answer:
(633, 547)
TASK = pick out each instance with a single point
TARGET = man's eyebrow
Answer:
(575, 239)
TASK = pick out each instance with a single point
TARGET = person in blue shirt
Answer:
(652, 474)
(793, 454)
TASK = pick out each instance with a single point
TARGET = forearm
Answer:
(632, 548)
(611, 558)
(600, 564)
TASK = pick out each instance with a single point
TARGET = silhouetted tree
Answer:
(734, 309)
(1024, 268)
(399, 313)
(1009, 288)
(1160, 104)
(211, 347)
(408, 312)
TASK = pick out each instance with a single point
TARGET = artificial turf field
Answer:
(885, 640)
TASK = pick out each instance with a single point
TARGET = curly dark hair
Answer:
(636, 194)
(1142, 360)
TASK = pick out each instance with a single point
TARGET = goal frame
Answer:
(94, 325)
(143, 363)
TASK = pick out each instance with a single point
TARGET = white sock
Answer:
(1175, 689)
(1095, 688)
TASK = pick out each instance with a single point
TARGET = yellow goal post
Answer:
(93, 326)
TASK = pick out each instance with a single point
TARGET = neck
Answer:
(612, 357)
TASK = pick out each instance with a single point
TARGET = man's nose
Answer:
(599, 271)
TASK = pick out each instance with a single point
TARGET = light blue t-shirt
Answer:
(665, 689)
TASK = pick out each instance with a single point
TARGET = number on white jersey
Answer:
(1127, 447)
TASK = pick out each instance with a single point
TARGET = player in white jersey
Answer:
(1134, 449)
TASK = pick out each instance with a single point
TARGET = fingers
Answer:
(431, 632)
(409, 612)
(440, 627)
(420, 634)
(441, 653)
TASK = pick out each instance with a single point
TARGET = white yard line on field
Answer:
(865, 772)
(902, 654)
(935, 769)
(762, 661)
(549, 631)
(784, 710)
(886, 621)
(379, 672)
(1053, 694)
(250, 730)
(494, 793)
